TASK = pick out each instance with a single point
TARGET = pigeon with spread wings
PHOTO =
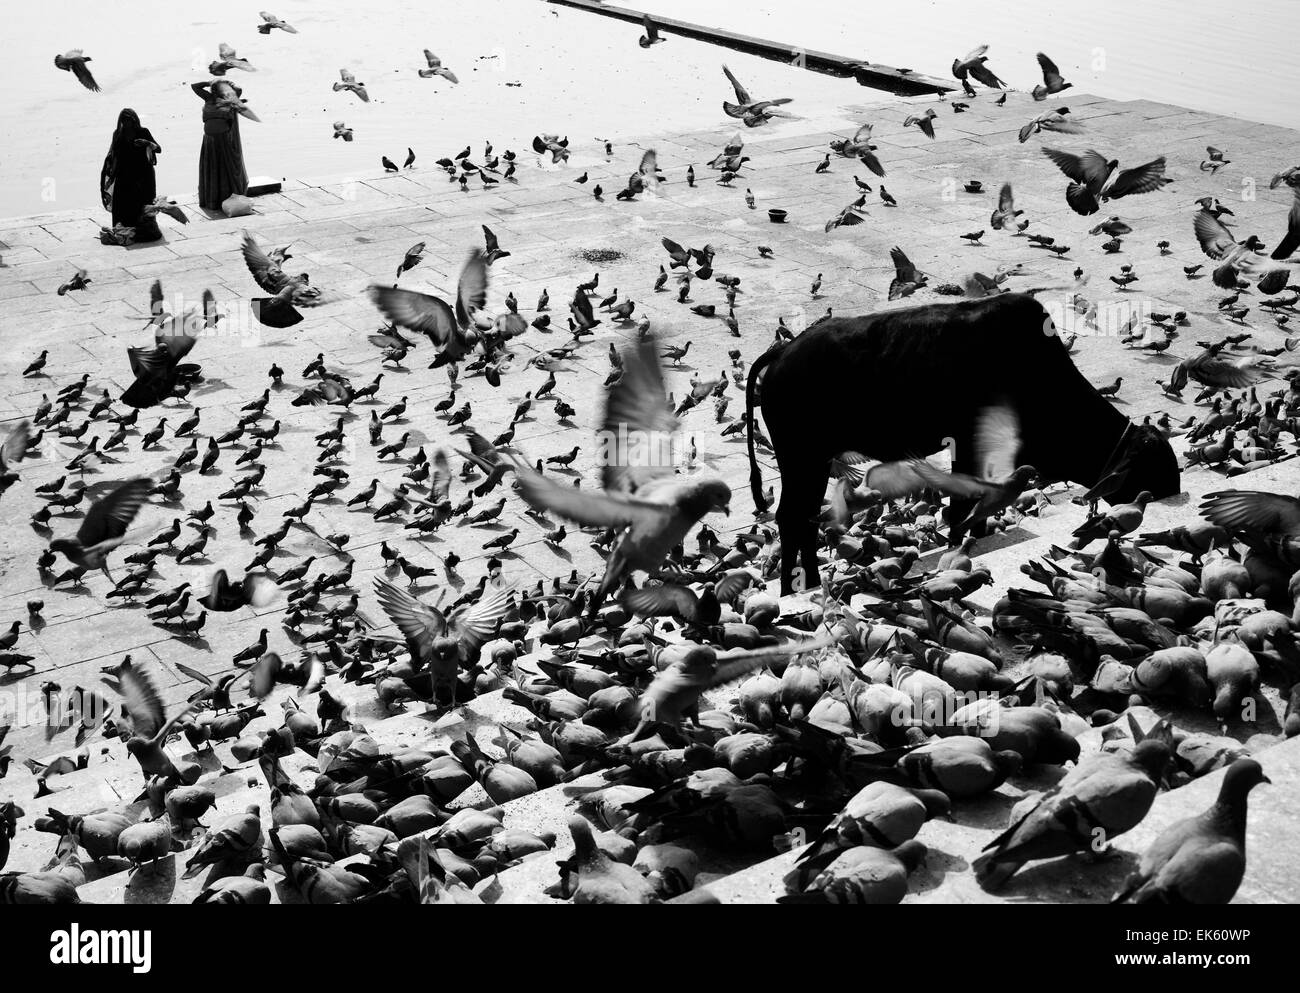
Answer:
(1218, 242)
(907, 278)
(1053, 81)
(436, 68)
(1291, 240)
(973, 65)
(349, 82)
(74, 61)
(651, 36)
(159, 370)
(150, 724)
(270, 21)
(492, 249)
(650, 506)
(228, 58)
(1218, 373)
(1050, 120)
(439, 643)
(291, 292)
(752, 112)
(645, 177)
(449, 329)
(104, 527)
(1001, 481)
(1097, 179)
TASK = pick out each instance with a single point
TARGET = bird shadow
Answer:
(152, 884)
(1106, 874)
(938, 866)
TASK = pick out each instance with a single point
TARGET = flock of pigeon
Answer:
(672, 695)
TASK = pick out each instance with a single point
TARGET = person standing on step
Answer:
(126, 181)
(221, 159)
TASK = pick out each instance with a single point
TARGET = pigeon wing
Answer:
(110, 516)
(471, 291)
(1252, 510)
(268, 275)
(1140, 179)
(475, 624)
(418, 622)
(584, 507)
(997, 441)
(415, 311)
(742, 94)
(143, 701)
(1215, 237)
(637, 416)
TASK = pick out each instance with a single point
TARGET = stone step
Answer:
(1272, 872)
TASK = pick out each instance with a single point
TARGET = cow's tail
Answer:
(755, 478)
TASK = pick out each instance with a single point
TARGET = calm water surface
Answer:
(580, 74)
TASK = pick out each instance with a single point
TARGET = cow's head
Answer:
(1152, 465)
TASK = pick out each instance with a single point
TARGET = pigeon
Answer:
(1097, 180)
(436, 68)
(923, 121)
(652, 507)
(651, 36)
(150, 724)
(270, 21)
(451, 330)
(859, 875)
(79, 281)
(491, 249)
(11, 453)
(1052, 82)
(753, 113)
(414, 256)
(227, 58)
(349, 82)
(1006, 209)
(1050, 120)
(1103, 796)
(278, 311)
(443, 643)
(974, 65)
(1218, 243)
(104, 527)
(1202, 859)
(253, 590)
(907, 279)
(74, 61)
(1291, 240)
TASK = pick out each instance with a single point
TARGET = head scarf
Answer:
(128, 129)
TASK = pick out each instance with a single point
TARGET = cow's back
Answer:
(901, 381)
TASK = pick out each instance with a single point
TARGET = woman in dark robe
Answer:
(221, 160)
(126, 182)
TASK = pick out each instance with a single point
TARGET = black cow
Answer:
(901, 383)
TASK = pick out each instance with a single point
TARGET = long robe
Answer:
(221, 159)
(127, 181)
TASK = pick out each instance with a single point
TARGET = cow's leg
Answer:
(803, 484)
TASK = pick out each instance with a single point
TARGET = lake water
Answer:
(580, 74)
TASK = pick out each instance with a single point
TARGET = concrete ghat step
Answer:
(161, 882)
(1272, 870)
